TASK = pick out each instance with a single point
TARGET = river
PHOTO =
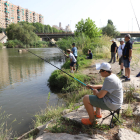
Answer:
(23, 85)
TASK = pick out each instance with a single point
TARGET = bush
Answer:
(14, 44)
(1, 45)
(59, 81)
(39, 44)
(81, 62)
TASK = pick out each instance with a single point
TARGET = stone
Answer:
(81, 112)
(78, 104)
(136, 96)
(125, 134)
(64, 136)
(65, 111)
(137, 111)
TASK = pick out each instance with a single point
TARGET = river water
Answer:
(23, 85)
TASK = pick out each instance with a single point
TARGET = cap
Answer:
(73, 44)
(128, 35)
(68, 50)
(121, 39)
(103, 66)
(113, 40)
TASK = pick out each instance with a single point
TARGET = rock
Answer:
(125, 134)
(65, 111)
(81, 112)
(64, 136)
(137, 111)
(136, 96)
(78, 104)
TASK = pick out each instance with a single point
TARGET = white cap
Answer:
(121, 39)
(113, 40)
(103, 66)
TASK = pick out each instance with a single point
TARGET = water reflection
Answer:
(23, 84)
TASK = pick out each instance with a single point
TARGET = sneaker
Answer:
(123, 77)
(138, 75)
(119, 73)
(71, 71)
(127, 79)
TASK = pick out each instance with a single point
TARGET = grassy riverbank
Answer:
(73, 90)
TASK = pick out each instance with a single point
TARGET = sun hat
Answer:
(68, 50)
(128, 35)
(121, 39)
(104, 66)
(113, 40)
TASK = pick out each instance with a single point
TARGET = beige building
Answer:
(10, 13)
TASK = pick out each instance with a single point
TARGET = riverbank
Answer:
(65, 119)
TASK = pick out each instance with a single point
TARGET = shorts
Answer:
(126, 63)
(120, 60)
(98, 102)
(72, 64)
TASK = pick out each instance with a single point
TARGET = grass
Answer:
(61, 82)
(129, 94)
(129, 111)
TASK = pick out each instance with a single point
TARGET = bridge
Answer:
(55, 36)
(132, 33)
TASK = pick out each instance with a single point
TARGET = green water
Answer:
(23, 84)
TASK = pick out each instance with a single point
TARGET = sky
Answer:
(72, 11)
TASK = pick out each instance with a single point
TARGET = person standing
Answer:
(127, 56)
(74, 50)
(113, 51)
(120, 52)
(72, 60)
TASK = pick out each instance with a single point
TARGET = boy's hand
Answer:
(88, 86)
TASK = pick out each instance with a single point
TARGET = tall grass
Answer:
(1, 45)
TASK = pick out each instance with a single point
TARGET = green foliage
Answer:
(88, 27)
(39, 44)
(1, 45)
(129, 94)
(81, 62)
(110, 30)
(2, 30)
(22, 32)
(61, 82)
(129, 111)
(14, 44)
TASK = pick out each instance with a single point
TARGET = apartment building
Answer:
(10, 13)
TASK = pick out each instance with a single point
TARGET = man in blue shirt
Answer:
(127, 55)
(74, 50)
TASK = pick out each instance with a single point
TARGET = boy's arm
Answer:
(95, 86)
(71, 60)
(101, 94)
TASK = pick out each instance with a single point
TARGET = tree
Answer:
(23, 32)
(110, 29)
(88, 27)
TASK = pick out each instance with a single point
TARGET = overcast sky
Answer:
(72, 11)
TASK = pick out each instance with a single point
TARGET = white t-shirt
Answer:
(120, 49)
(71, 56)
(114, 97)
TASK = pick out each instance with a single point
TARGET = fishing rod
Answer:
(60, 69)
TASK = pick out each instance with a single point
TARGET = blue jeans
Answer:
(126, 63)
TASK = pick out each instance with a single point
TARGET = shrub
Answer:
(14, 44)
(1, 45)
(61, 82)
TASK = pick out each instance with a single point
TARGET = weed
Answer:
(129, 94)
(129, 111)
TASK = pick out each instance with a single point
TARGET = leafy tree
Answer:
(88, 27)
(23, 32)
(110, 29)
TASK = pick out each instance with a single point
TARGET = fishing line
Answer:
(135, 15)
(59, 69)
